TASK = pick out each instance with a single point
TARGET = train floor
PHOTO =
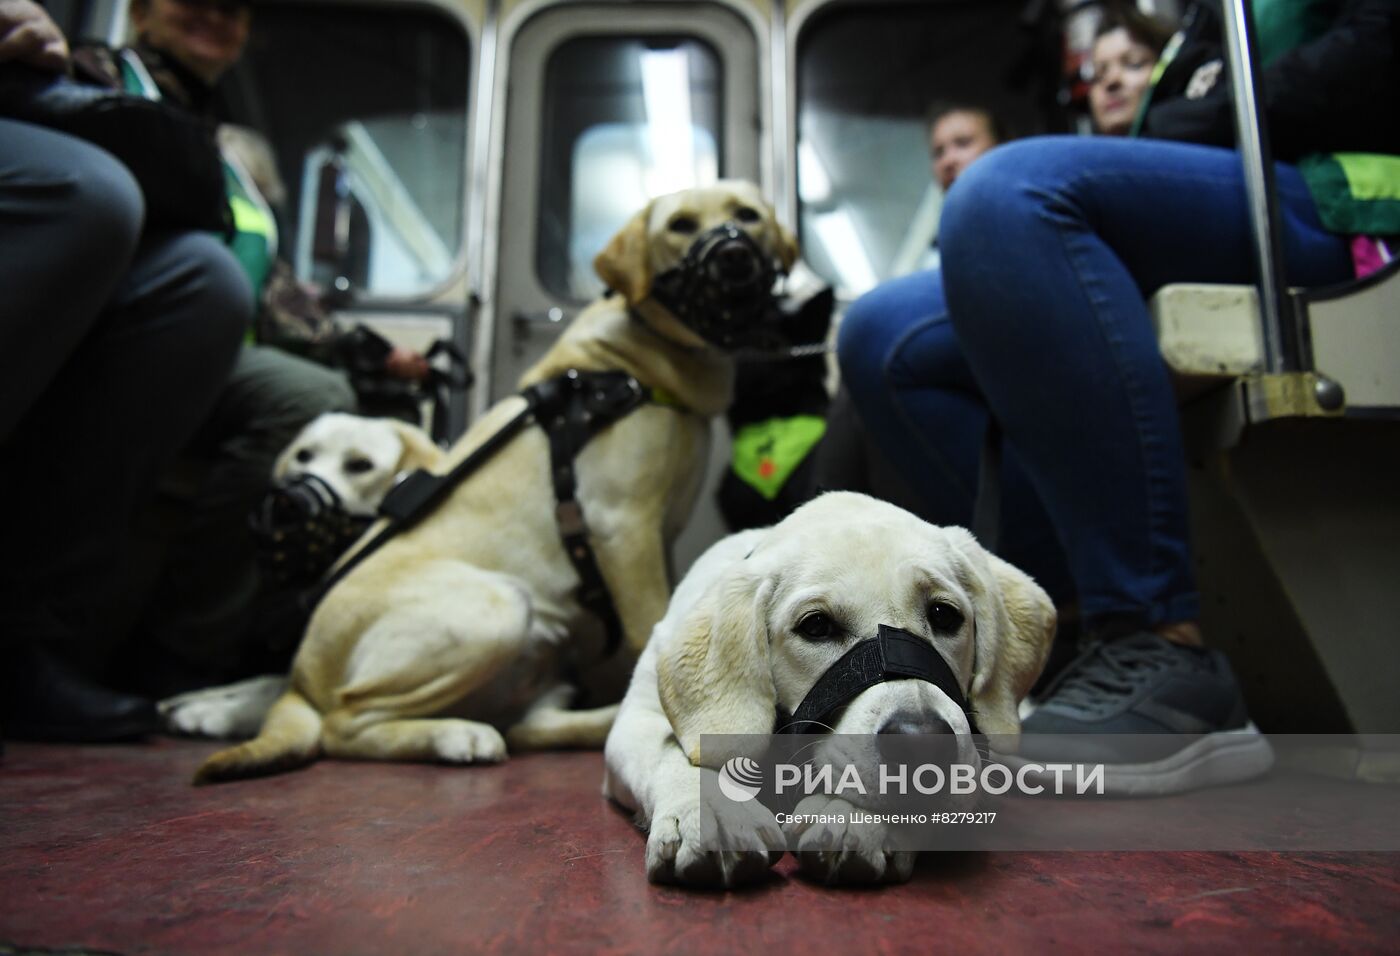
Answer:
(109, 849)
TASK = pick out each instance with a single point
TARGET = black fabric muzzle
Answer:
(722, 289)
(892, 654)
(299, 530)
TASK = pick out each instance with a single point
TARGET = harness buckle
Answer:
(569, 516)
(410, 495)
(612, 395)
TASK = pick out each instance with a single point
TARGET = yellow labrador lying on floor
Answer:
(354, 460)
(460, 627)
(761, 617)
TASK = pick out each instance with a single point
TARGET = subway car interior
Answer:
(446, 172)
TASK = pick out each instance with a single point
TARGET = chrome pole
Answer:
(1281, 336)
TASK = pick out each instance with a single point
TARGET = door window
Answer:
(867, 75)
(367, 108)
(625, 119)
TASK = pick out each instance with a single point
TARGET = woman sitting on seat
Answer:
(1038, 317)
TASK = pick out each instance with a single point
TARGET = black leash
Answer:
(571, 408)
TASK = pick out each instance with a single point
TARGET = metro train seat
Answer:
(1295, 504)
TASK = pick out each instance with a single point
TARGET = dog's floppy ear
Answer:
(787, 246)
(624, 265)
(418, 450)
(1015, 627)
(715, 676)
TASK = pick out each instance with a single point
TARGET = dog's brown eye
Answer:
(746, 214)
(816, 626)
(305, 455)
(944, 617)
(683, 224)
(358, 466)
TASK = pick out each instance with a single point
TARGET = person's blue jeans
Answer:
(1050, 248)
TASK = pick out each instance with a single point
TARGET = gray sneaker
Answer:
(1161, 717)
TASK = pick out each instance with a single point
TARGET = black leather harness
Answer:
(571, 408)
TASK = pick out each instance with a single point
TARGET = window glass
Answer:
(367, 110)
(624, 119)
(867, 75)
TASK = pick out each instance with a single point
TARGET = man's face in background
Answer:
(956, 139)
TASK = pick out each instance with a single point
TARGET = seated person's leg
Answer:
(198, 628)
(1050, 246)
(70, 218)
(1049, 249)
(903, 367)
(86, 453)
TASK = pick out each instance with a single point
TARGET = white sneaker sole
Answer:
(1224, 757)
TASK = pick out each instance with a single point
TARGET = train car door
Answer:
(605, 105)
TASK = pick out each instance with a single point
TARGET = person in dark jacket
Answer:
(115, 339)
(1050, 247)
(196, 624)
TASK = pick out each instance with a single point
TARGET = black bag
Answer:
(173, 156)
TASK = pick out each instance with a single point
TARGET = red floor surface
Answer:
(110, 848)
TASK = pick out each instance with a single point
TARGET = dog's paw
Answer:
(727, 845)
(464, 741)
(850, 851)
(235, 712)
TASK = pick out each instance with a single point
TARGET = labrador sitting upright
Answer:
(460, 627)
(758, 622)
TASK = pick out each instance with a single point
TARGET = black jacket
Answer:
(1339, 92)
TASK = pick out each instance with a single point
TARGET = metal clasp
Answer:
(569, 516)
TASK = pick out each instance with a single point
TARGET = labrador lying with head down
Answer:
(355, 461)
(761, 617)
(461, 627)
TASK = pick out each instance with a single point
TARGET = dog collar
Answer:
(660, 396)
(892, 654)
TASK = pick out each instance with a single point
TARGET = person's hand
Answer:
(406, 364)
(29, 36)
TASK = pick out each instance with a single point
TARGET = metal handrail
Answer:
(1282, 324)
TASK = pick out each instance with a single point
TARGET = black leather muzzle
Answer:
(892, 654)
(299, 530)
(722, 289)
